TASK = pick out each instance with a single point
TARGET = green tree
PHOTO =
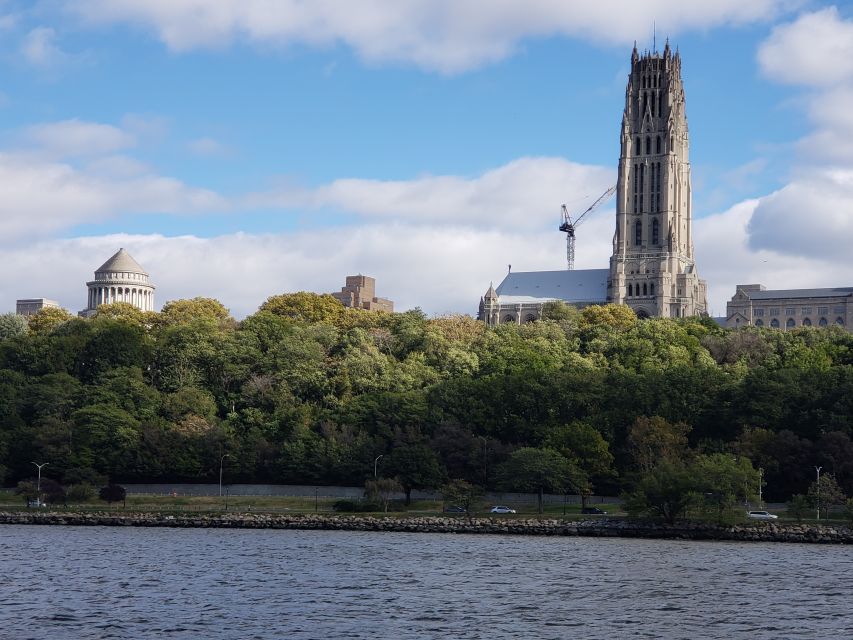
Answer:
(799, 507)
(46, 320)
(113, 493)
(381, 491)
(723, 481)
(536, 470)
(652, 440)
(666, 491)
(12, 325)
(825, 494)
(306, 307)
(463, 494)
(184, 311)
(416, 467)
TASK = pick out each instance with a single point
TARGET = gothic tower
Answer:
(652, 269)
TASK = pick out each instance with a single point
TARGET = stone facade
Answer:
(120, 279)
(754, 305)
(360, 293)
(31, 306)
(652, 269)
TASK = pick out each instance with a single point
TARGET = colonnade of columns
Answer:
(140, 298)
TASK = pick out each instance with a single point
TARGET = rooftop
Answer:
(122, 262)
(772, 294)
(584, 285)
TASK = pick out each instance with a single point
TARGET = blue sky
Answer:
(243, 149)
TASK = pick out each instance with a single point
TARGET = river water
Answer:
(102, 582)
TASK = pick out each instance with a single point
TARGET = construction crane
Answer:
(568, 227)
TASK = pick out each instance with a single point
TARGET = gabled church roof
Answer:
(121, 262)
(583, 285)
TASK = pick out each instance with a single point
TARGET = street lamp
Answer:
(38, 482)
(375, 463)
(221, 461)
(818, 491)
(760, 482)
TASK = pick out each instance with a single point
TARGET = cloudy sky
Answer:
(243, 148)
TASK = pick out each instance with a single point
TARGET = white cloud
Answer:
(444, 35)
(526, 192)
(38, 197)
(207, 147)
(815, 50)
(39, 48)
(70, 138)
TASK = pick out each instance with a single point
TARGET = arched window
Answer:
(671, 143)
(630, 290)
(759, 323)
(529, 317)
(645, 289)
(648, 145)
(639, 148)
(807, 323)
(652, 288)
(655, 232)
(790, 324)
(839, 321)
(774, 323)
(660, 103)
(509, 318)
(657, 145)
(823, 322)
(638, 233)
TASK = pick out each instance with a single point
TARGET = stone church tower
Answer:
(652, 269)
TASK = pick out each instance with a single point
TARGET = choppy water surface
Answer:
(98, 582)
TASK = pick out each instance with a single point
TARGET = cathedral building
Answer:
(119, 279)
(755, 305)
(652, 269)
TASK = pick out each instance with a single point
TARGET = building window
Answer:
(790, 323)
(636, 171)
(806, 311)
(639, 147)
(774, 323)
(790, 311)
(823, 322)
(838, 310)
(630, 290)
(807, 322)
(642, 184)
(655, 232)
(645, 289)
(774, 311)
(758, 313)
(648, 145)
(509, 318)
(652, 288)
(660, 112)
(759, 323)
(839, 321)
(638, 233)
(822, 311)
(529, 317)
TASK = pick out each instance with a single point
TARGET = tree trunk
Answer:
(408, 496)
(541, 491)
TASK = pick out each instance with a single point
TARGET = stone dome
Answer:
(120, 279)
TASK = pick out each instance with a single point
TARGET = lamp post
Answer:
(485, 461)
(221, 461)
(818, 491)
(760, 482)
(375, 463)
(38, 482)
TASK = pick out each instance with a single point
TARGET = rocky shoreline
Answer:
(605, 527)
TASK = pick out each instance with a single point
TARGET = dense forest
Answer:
(306, 391)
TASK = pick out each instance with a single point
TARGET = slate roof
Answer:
(833, 292)
(584, 285)
(122, 262)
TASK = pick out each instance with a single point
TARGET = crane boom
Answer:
(568, 227)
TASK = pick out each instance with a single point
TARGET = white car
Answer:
(502, 509)
(760, 515)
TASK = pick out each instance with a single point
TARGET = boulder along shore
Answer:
(603, 527)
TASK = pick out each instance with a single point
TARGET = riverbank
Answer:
(606, 527)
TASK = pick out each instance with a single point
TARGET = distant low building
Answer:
(522, 295)
(360, 293)
(755, 305)
(31, 306)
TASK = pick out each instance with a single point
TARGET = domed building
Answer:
(120, 279)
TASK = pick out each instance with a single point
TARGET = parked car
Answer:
(454, 509)
(761, 515)
(502, 509)
(593, 511)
